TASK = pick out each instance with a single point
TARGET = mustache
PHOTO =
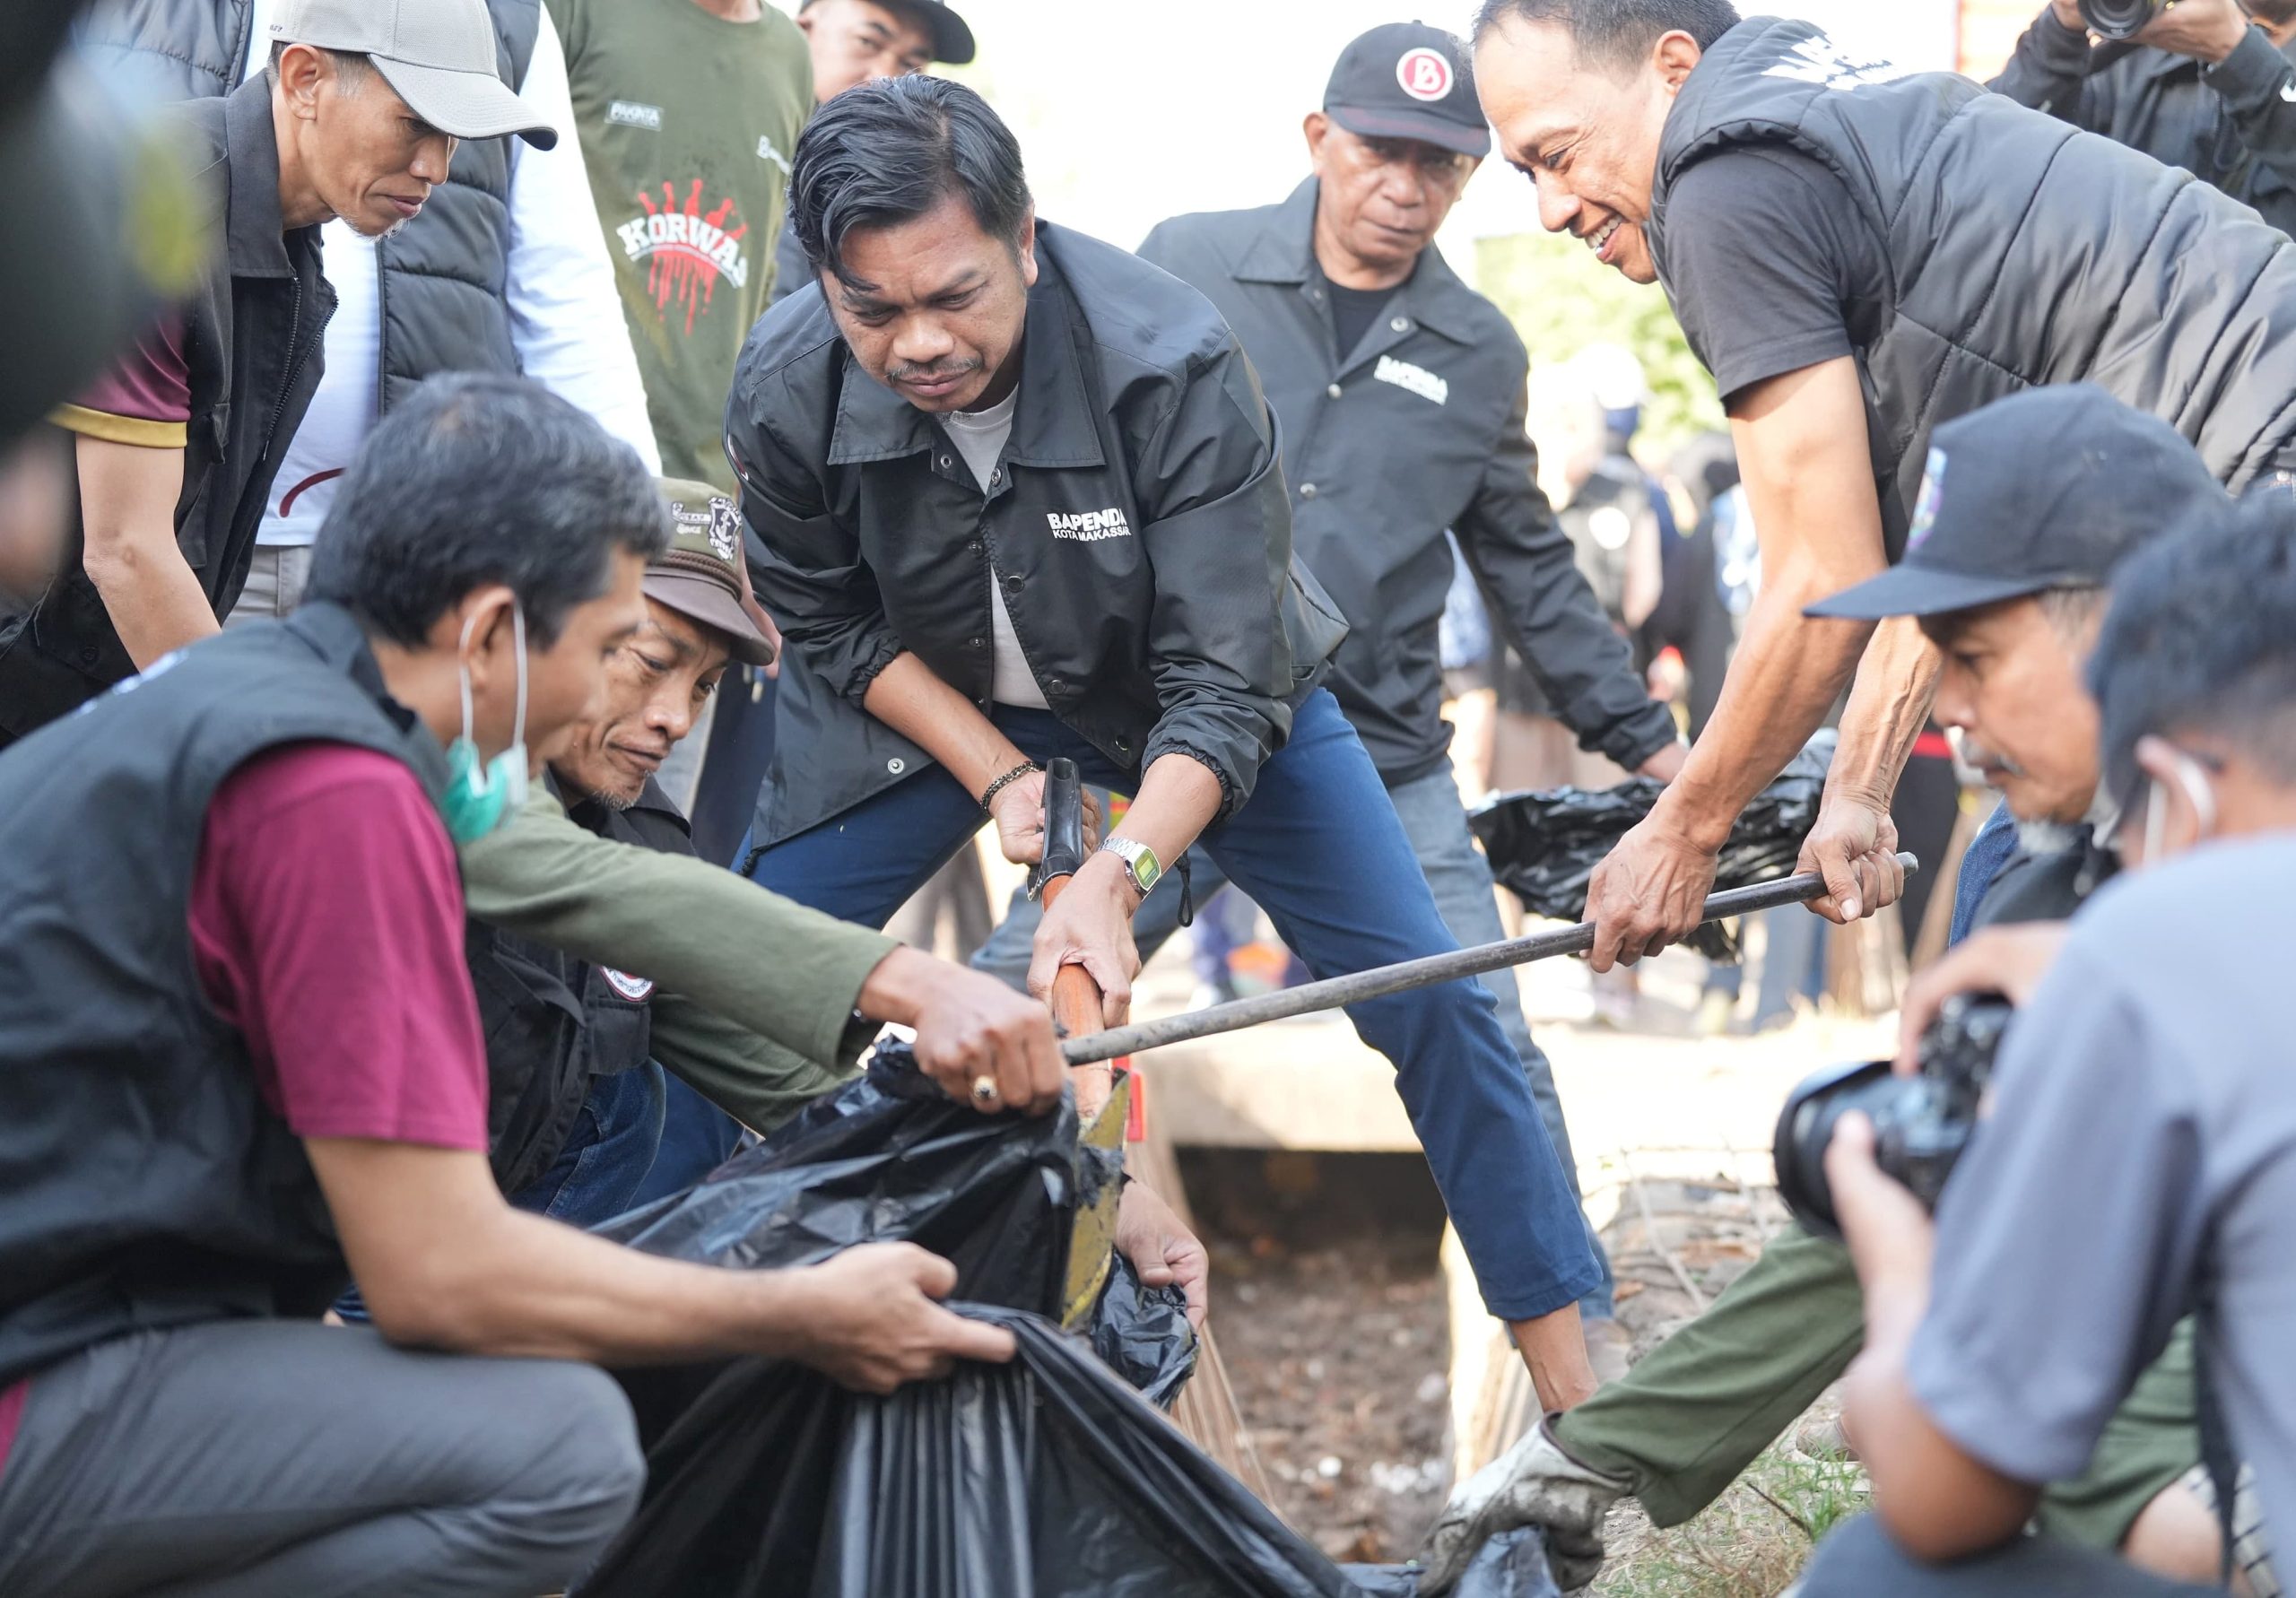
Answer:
(933, 371)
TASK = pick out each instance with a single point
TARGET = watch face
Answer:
(1145, 869)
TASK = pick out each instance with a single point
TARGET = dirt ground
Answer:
(1332, 1319)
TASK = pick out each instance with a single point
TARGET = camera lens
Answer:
(2118, 19)
(1805, 1127)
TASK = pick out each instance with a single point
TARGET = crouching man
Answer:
(2136, 1166)
(568, 907)
(240, 1049)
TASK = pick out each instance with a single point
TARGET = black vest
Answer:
(552, 1022)
(2024, 252)
(441, 278)
(147, 1184)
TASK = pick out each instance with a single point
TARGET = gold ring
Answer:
(984, 1089)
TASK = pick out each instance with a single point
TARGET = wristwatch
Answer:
(1140, 865)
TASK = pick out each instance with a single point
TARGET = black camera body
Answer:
(2115, 19)
(1921, 1123)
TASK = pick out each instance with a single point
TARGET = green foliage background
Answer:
(1561, 300)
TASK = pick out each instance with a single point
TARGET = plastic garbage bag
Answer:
(1048, 1478)
(1545, 846)
(1142, 1334)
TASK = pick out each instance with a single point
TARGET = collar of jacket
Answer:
(1052, 426)
(1284, 252)
(254, 233)
(334, 634)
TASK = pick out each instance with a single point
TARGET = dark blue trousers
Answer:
(1319, 848)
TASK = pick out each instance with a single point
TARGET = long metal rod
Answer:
(1338, 991)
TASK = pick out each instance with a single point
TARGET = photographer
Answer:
(2137, 1164)
(2006, 575)
(2207, 85)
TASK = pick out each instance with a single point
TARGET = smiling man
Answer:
(357, 118)
(1860, 253)
(1016, 495)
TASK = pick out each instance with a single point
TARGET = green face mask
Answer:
(481, 795)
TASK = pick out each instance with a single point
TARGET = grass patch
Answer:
(1751, 1542)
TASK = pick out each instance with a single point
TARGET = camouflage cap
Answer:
(701, 576)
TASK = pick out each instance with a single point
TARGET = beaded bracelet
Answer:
(1024, 769)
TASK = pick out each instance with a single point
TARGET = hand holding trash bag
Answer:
(870, 1319)
(1163, 1251)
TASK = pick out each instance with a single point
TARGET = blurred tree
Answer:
(1561, 300)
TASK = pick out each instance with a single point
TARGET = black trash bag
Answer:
(1048, 1478)
(1142, 1334)
(1512, 1565)
(888, 1157)
(1545, 846)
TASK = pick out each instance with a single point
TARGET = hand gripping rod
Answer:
(1338, 991)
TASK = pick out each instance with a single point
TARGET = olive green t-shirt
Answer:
(687, 123)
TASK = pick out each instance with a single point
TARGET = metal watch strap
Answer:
(1122, 848)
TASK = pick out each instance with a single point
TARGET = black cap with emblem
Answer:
(1408, 81)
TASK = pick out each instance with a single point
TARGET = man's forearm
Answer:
(909, 697)
(1785, 677)
(786, 973)
(127, 500)
(1937, 1501)
(1177, 798)
(1897, 680)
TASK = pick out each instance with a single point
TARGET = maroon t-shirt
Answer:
(326, 924)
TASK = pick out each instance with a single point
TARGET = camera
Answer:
(1921, 1123)
(2119, 18)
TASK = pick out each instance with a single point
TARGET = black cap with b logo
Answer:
(1408, 81)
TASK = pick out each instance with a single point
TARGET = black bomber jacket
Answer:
(1138, 521)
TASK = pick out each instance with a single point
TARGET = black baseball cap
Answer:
(2048, 489)
(1408, 81)
(952, 39)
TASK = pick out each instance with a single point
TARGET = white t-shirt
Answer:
(980, 437)
(562, 295)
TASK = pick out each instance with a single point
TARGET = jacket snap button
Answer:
(1054, 684)
(1122, 747)
(1307, 491)
(1401, 324)
(973, 546)
(896, 765)
(1334, 391)
(973, 643)
(946, 463)
(1014, 585)
(89, 656)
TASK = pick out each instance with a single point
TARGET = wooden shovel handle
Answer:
(1076, 1007)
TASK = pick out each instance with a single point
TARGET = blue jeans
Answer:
(1321, 850)
(596, 1175)
(1435, 825)
(696, 1138)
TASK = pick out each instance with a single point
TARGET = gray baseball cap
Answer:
(439, 54)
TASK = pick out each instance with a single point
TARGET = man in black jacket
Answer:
(2206, 86)
(178, 447)
(1858, 253)
(1015, 496)
(1402, 397)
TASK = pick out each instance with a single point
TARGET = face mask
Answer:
(480, 795)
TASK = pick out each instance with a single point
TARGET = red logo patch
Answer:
(1424, 73)
(636, 989)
